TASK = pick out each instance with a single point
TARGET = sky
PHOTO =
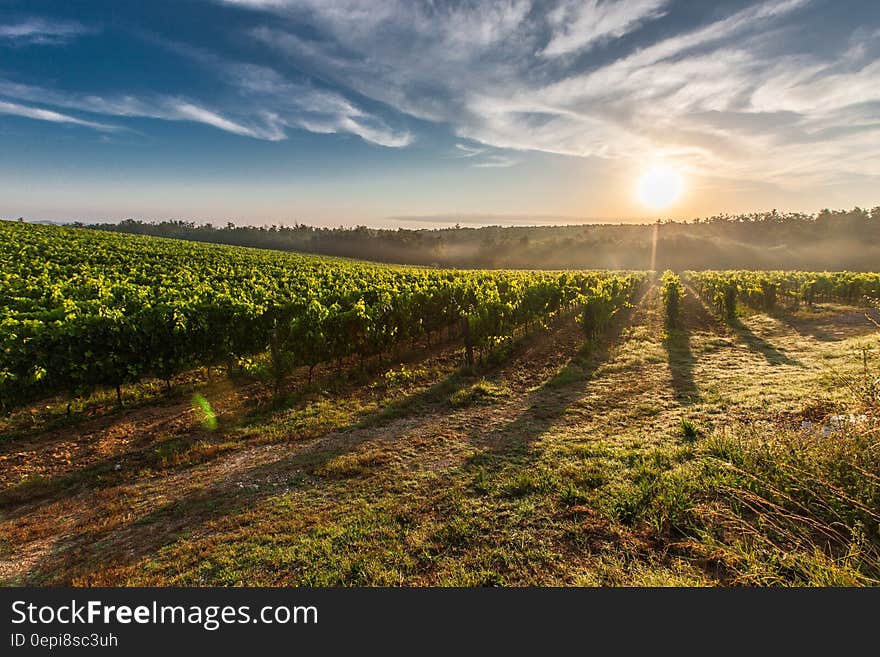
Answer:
(425, 113)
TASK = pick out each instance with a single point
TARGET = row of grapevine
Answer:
(81, 309)
(671, 293)
(767, 290)
(718, 289)
(605, 300)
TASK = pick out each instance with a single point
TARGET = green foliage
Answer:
(571, 495)
(797, 507)
(81, 309)
(688, 430)
(404, 376)
(671, 292)
(481, 392)
(765, 290)
(607, 297)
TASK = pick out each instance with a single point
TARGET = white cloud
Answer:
(722, 97)
(579, 25)
(267, 103)
(375, 134)
(304, 106)
(496, 162)
(188, 111)
(168, 108)
(48, 115)
(39, 31)
(643, 62)
(484, 158)
(164, 108)
(816, 89)
(729, 95)
(463, 150)
(263, 104)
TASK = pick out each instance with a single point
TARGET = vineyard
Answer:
(774, 290)
(81, 309)
(180, 413)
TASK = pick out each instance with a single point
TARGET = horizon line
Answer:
(465, 220)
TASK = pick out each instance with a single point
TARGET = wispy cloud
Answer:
(268, 104)
(40, 31)
(302, 105)
(578, 25)
(168, 108)
(739, 90)
(723, 96)
(188, 111)
(40, 114)
(463, 150)
(261, 104)
(485, 157)
(496, 162)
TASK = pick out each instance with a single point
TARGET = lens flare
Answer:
(203, 408)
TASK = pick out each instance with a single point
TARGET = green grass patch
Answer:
(481, 392)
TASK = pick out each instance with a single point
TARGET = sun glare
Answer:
(660, 187)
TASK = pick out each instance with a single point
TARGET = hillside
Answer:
(832, 241)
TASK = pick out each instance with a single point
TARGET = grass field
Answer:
(700, 455)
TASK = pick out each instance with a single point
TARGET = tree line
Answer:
(829, 239)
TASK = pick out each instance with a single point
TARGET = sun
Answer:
(660, 187)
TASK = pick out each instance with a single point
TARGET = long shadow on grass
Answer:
(73, 557)
(549, 403)
(546, 406)
(748, 337)
(235, 491)
(694, 315)
(759, 345)
(807, 327)
(506, 466)
(197, 447)
(846, 324)
(681, 366)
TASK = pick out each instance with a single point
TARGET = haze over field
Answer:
(426, 114)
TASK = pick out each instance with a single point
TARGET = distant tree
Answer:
(759, 240)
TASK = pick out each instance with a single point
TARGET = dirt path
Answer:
(453, 482)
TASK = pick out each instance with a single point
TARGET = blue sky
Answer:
(423, 113)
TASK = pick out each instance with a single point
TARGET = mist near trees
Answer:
(827, 240)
